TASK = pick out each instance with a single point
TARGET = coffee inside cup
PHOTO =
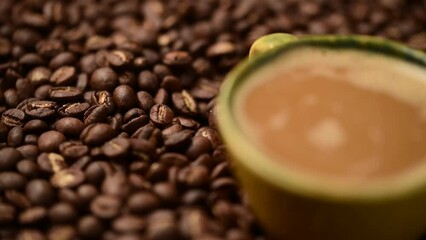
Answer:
(340, 114)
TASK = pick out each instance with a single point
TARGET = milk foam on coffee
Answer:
(337, 114)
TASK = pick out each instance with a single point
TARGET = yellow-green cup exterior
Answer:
(293, 207)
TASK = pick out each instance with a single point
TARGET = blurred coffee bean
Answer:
(40, 192)
(64, 75)
(104, 79)
(69, 126)
(9, 158)
(50, 141)
(124, 97)
(97, 133)
(105, 207)
(143, 202)
(11, 181)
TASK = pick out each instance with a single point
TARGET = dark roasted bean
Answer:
(97, 133)
(104, 79)
(51, 162)
(41, 109)
(13, 117)
(32, 215)
(73, 149)
(95, 172)
(40, 192)
(143, 202)
(162, 225)
(11, 181)
(18, 199)
(161, 114)
(124, 97)
(116, 148)
(7, 213)
(28, 151)
(103, 98)
(43, 92)
(87, 192)
(9, 158)
(28, 168)
(105, 207)
(39, 76)
(177, 58)
(62, 213)
(15, 138)
(67, 178)
(69, 126)
(90, 227)
(50, 141)
(65, 94)
(184, 103)
(65, 75)
(167, 192)
(147, 81)
(178, 140)
(35, 126)
(73, 109)
(145, 100)
(129, 223)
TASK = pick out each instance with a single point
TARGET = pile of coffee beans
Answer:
(107, 109)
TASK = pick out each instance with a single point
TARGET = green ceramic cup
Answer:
(291, 207)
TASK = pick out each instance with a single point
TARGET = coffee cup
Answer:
(327, 136)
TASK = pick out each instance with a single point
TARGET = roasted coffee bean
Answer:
(18, 199)
(194, 223)
(40, 192)
(210, 134)
(32, 215)
(11, 97)
(49, 47)
(134, 124)
(142, 149)
(13, 117)
(103, 98)
(69, 126)
(161, 114)
(116, 148)
(66, 232)
(177, 58)
(129, 223)
(195, 197)
(90, 227)
(67, 178)
(9, 158)
(32, 234)
(104, 79)
(95, 172)
(65, 94)
(7, 213)
(178, 140)
(97, 133)
(167, 192)
(28, 168)
(30, 60)
(115, 184)
(119, 58)
(41, 109)
(28, 151)
(162, 225)
(145, 100)
(172, 129)
(62, 213)
(26, 37)
(162, 97)
(42, 92)
(73, 109)
(124, 97)
(50, 141)
(184, 103)
(31, 139)
(61, 60)
(65, 75)
(198, 146)
(51, 162)
(11, 181)
(205, 89)
(143, 202)
(73, 149)
(69, 196)
(148, 82)
(15, 138)
(87, 192)
(105, 207)
(35, 126)
(98, 42)
(195, 176)
(95, 114)
(3, 132)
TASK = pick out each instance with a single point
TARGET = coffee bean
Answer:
(178, 140)
(32, 215)
(65, 75)
(198, 146)
(7, 213)
(61, 60)
(32, 234)
(31, 60)
(184, 103)
(3, 132)
(104, 98)
(41, 109)
(161, 114)
(104, 79)
(119, 58)
(73, 109)
(95, 172)
(195, 176)
(66, 232)
(51, 162)
(26, 37)
(73, 149)
(145, 100)
(15, 137)
(18, 199)
(49, 47)
(116, 147)
(69, 126)
(40, 192)
(9, 158)
(195, 197)
(90, 227)
(28, 151)
(172, 129)
(177, 58)
(67, 178)
(65, 94)
(42, 92)
(11, 181)
(143, 202)
(39, 76)
(142, 149)
(62, 213)
(13, 117)
(129, 223)
(147, 81)
(95, 114)
(210, 134)
(173, 159)
(124, 97)
(50, 141)
(98, 42)
(105, 207)
(97, 133)
(133, 121)
(116, 184)
(87, 192)
(162, 97)
(167, 192)
(28, 168)
(35, 126)
(162, 225)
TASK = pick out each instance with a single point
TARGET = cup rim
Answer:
(248, 156)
